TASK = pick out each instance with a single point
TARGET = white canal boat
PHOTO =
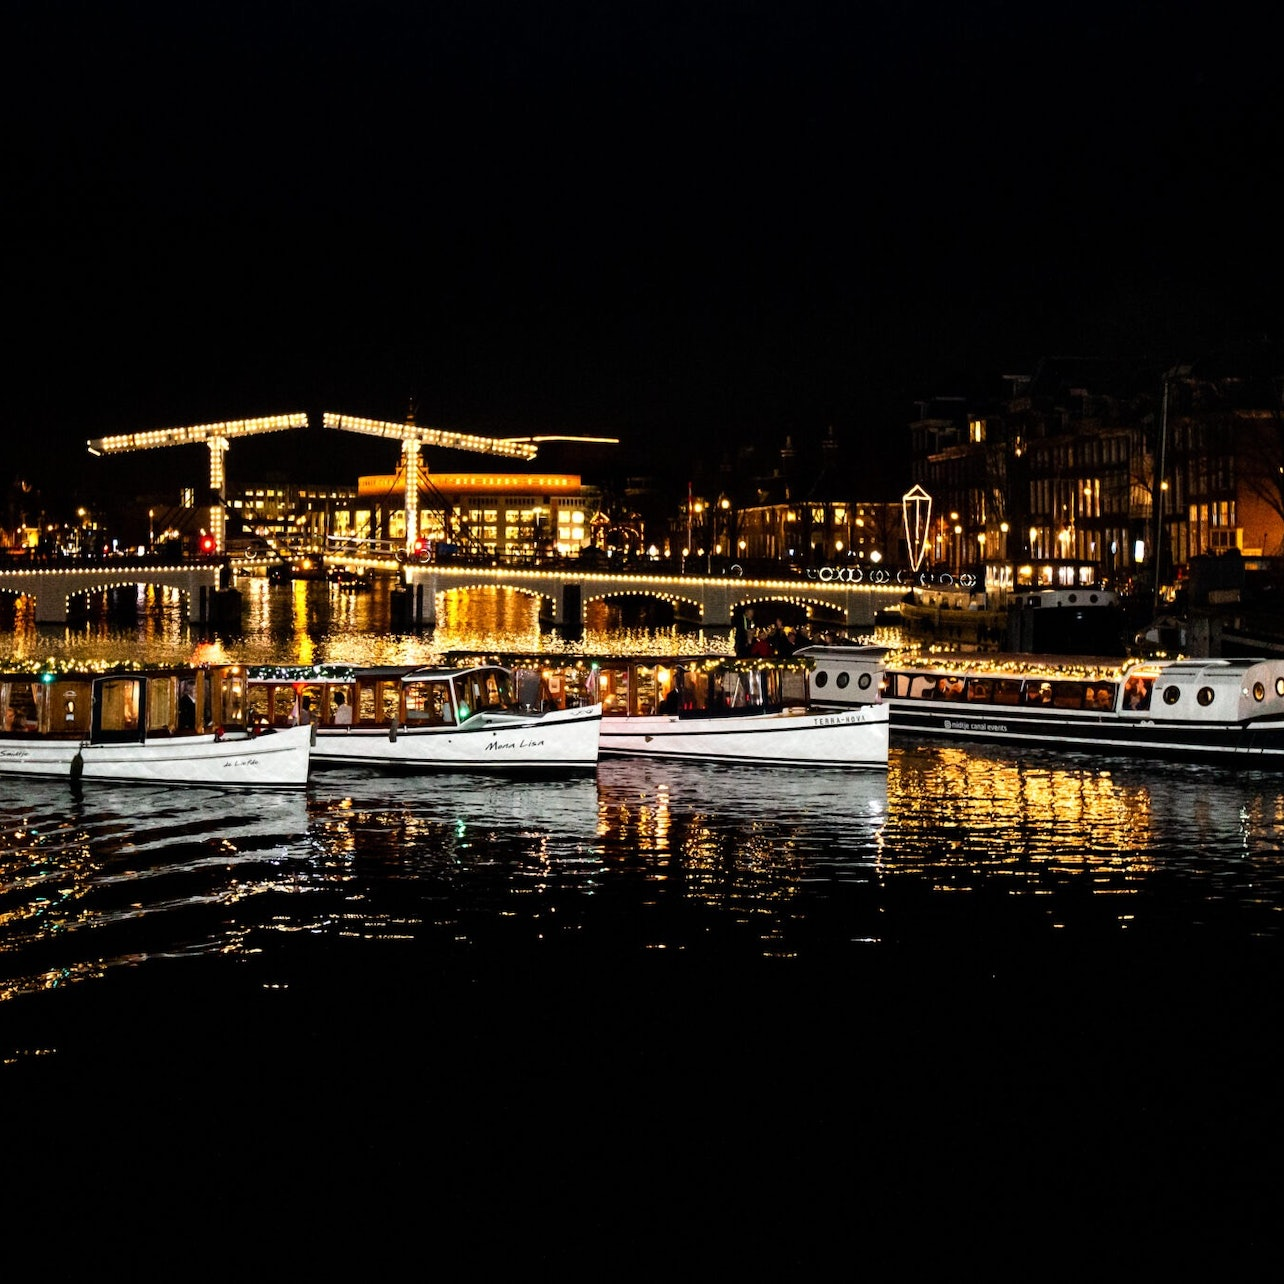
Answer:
(175, 726)
(449, 718)
(1226, 710)
(719, 709)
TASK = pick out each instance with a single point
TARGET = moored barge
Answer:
(1227, 710)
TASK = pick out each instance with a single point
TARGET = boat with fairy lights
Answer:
(468, 717)
(713, 708)
(176, 726)
(1228, 710)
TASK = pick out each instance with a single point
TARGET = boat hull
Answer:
(275, 759)
(1259, 742)
(558, 741)
(856, 738)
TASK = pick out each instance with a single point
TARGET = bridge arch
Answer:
(52, 588)
(713, 599)
(687, 607)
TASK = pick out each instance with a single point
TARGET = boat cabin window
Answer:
(1205, 696)
(752, 689)
(338, 702)
(229, 706)
(189, 701)
(913, 686)
(569, 688)
(257, 704)
(1038, 693)
(1259, 691)
(119, 698)
(19, 703)
(1069, 695)
(1172, 694)
(1007, 691)
(949, 688)
(482, 689)
(1100, 696)
(162, 704)
(553, 690)
(980, 689)
(613, 690)
(283, 705)
(428, 704)
(1137, 693)
(378, 701)
(646, 691)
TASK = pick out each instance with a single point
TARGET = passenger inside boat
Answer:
(187, 706)
(1137, 693)
(19, 702)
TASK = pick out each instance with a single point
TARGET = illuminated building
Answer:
(507, 515)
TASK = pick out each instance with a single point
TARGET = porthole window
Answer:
(842, 680)
(1074, 597)
(1259, 692)
(1172, 695)
(1279, 686)
(1204, 695)
(863, 681)
(821, 679)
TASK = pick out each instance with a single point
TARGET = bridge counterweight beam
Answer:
(410, 462)
(218, 476)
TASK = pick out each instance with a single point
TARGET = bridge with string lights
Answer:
(564, 590)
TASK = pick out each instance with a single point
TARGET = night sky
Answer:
(687, 225)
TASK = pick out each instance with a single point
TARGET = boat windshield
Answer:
(483, 689)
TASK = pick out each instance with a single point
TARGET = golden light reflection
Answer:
(1006, 818)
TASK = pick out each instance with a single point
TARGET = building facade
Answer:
(1099, 470)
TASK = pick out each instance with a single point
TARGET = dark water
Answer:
(827, 1001)
(1002, 1010)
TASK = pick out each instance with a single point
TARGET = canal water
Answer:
(670, 1018)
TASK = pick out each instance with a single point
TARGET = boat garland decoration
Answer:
(304, 672)
(51, 668)
(1051, 666)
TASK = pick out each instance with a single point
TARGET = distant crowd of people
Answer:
(780, 641)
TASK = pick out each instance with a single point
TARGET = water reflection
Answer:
(107, 876)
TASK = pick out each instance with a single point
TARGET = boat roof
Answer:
(1016, 665)
(88, 672)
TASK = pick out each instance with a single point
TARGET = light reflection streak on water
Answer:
(1044, 825)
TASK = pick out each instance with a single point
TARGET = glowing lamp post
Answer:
(916, 508)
